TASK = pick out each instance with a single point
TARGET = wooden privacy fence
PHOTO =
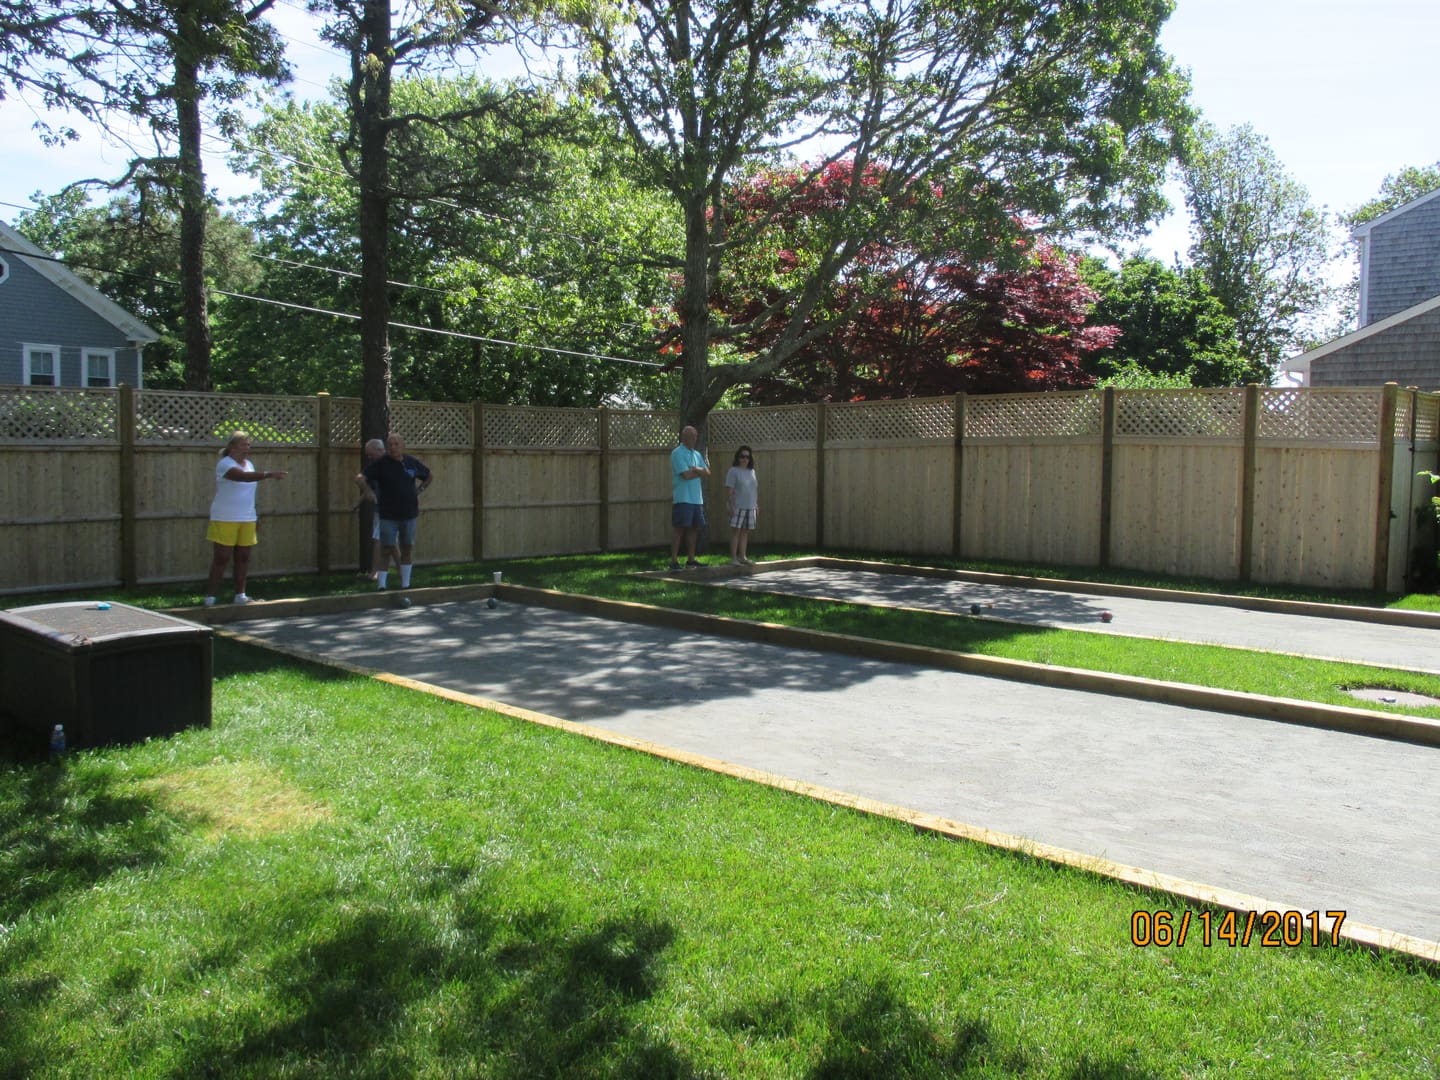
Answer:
(1307, 486)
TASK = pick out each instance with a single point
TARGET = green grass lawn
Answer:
(346, 878)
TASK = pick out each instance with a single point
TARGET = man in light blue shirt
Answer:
(687, 500)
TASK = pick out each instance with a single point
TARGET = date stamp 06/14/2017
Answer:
(1272, 929)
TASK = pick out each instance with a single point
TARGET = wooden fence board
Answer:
(1177, 508)
(1309, 522)
(1305, 477)
(894, 498)
(1032, 503)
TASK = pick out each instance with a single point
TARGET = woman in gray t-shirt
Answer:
(742, 491)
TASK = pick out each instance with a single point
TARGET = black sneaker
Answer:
(674, 565)
(693, 564)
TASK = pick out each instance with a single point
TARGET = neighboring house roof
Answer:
(1404, 345)
(1361, 231)
(16, 246)
(1355, 342)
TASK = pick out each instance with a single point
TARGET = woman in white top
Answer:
(232, 515)
(742, 492)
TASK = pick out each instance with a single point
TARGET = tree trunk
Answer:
(695, 319)
(373, 119)
(193, 213)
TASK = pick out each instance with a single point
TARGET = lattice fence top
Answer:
(1056, 415)
(47, 414)
(1342, 414)
(644, 430)
(179, 416)
(424, 423)
(1180, 414)
(344, 422)
(779, 425)
(522, 427)
(880, 421)
(1427, 418)
(1402, 417)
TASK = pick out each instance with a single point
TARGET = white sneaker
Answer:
(242, 598)
(737, 561)
(209, 601)
(748, 561)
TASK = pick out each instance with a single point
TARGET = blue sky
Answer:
(1345, 91)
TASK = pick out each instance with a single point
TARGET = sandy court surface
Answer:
(1303, 817)
(1305, 635)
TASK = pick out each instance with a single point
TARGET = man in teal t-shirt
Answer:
(687, 498)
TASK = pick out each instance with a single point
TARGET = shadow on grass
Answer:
(385, 994)
(868, 1030)
(59, 835)
(234, 659)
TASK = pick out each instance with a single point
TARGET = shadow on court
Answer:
(1353, 640)
(578, 667)
(929, 594)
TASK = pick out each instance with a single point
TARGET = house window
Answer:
(42, 365)
(4, 271)
(99, 367)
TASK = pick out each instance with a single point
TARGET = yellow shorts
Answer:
(232, 533)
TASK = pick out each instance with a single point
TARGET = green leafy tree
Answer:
(1171, 325)
(540, 245)
(1395, 191)
(1128, 375)
(1261, 245)
(41, 58)
(164, 63)
(129, 249)
(1056, 111)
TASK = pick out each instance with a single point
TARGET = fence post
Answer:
(477, 484)
(820, 474)
(958, 496)
(604, 479)
(125, 424)
(1249, 462)
(1107, 470)
(1385, 485)
(1409, 521)
(322, 482)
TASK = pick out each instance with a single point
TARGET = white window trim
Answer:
(27, 349)
(4, 270)
(86, 354)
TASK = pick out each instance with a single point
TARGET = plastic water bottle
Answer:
(57, 741)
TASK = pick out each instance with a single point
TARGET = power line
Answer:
(434, 330)
(349, 274)
(311, 310)
(412, 285)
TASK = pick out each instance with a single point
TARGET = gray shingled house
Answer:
(57, 330)
(1399, 335)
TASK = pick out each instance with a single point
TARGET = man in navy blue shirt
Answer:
(395, 483)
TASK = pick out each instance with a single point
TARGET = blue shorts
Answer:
(687, 515)
(393, 532)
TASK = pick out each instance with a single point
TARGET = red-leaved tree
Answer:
(955, 310)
